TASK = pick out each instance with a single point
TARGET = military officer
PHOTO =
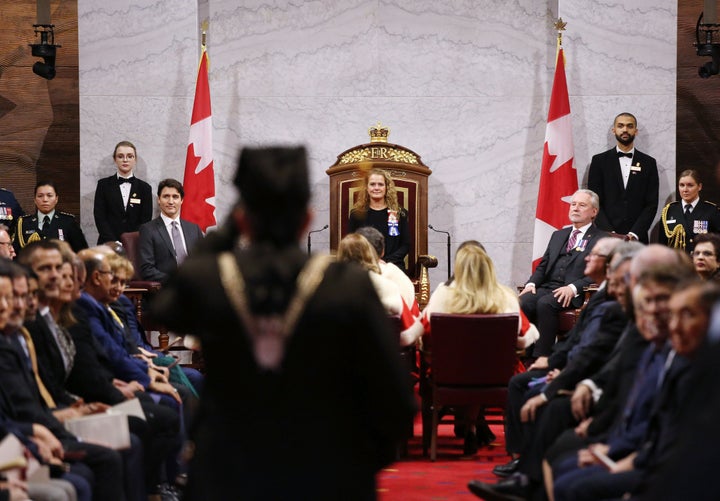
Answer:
(47, 222)
(10, 208)
(681, 221)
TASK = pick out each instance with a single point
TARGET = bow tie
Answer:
(122, 180)
(623, 154)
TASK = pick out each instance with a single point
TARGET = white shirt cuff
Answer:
(596, 392)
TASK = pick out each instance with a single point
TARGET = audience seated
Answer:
(474, 289)
(142, 461)
(165, 241)
(688, 470)
(355, 248)
(136, 341)
(92, 465)
(591, 322)
(643, 432)
(606, 387)
(390, 270)
(558, 281)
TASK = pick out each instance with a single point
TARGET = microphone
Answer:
(314, 231)
(448, 246)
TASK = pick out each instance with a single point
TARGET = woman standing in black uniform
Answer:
(681, 221)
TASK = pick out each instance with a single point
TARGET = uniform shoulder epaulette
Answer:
(674, 203)
(710, 203)
(66, 214)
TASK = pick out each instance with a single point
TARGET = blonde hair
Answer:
(475, 288)
(120, 263)
(391, 199)
(356, 248)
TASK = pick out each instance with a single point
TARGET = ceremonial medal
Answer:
(393, 224)
(581, 245)
(700, 227)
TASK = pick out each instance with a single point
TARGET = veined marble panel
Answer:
(479, 48)
(465, 84)
(137, 48)
(621, 48)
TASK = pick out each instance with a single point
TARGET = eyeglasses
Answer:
(703, 253)
(5, 243)
(105, 271)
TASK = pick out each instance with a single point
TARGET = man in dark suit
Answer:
(122, 201)
(166, 240)
(20, 401)
(47, 222)
(583, 332)
(557, 282)
(626, 180)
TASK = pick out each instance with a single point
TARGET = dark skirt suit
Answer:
(679, 231)
(395, 230)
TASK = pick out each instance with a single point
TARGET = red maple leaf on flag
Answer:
(558, 176)
(199, 178)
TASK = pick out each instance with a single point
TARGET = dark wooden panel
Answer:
(698, 113)
(39, 119)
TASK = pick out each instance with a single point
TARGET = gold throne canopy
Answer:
(410, 175)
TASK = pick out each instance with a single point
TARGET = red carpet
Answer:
(416, 477)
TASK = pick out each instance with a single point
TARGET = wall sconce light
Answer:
(46, 49)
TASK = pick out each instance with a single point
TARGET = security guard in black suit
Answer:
(681, 221)
(46, 222)
(10, 209)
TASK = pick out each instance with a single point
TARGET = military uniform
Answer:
(679, 231)
(10, 209)
(63, 226)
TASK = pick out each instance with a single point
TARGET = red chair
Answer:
(138, 290)
(473, 359)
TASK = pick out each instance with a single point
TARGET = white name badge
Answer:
(134, 200)
(671, 221)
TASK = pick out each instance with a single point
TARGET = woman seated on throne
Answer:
(377, 206)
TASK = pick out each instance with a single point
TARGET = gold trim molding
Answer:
(386, 153)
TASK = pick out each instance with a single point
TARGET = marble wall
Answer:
(463, 83)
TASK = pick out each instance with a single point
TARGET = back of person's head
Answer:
(473, 267)
(274, 192)
(465, 243)
(475, 288)
(658, 255)
(356, 249)
(376, 239)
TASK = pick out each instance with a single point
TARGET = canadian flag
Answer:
(558, 177)
(199, 180)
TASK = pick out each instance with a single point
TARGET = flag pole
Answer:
(204, 28)
(199, 178)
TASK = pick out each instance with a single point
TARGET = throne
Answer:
(411, 181)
